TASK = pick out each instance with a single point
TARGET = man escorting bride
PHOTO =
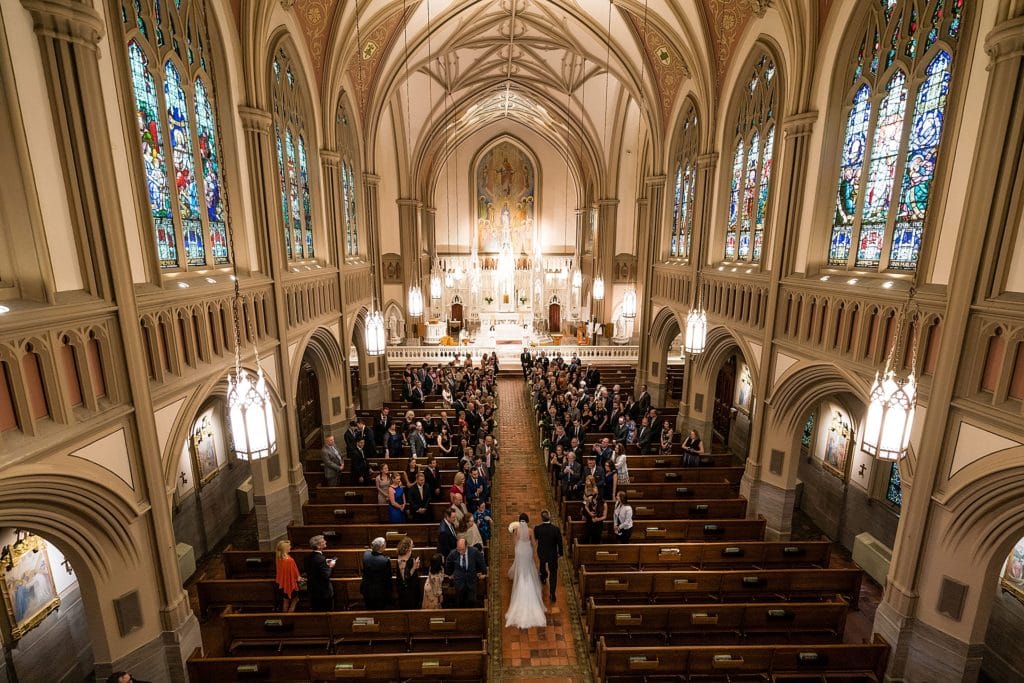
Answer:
(526, 609)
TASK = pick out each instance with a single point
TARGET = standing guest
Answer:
(620, 464)
(418, 499)
(476, 488)
(332, 462)
(592, 469)
(383, 482)
(393, 442)
(667, 433)
(318, 576)
(611, 481)
(123, 677)
(396, 500)
(483, 521)
(549, 549)
(692, 448)
(644, 436)
(287, 578)
(417, 441)
(643, 401)
(458, 486)
(433, 587)
(360, 462)
(376, 582)
(433, 478)
(472, 534)
(464, 566)
(447, 533)
(488, 452)
(461, 511)
(444, 440)
(623, 518)
(409, 476)
(381, 424)
(407, 581)
(595, 511)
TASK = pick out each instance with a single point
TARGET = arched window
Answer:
(348, 191)
(685, 183)
(172, 81)
(750, 184)
(292, 160)
(895, 110)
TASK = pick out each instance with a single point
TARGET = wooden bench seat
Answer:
(675, 460)
(743, 585)
(360, 535)
(775, 663)
(446, 665)
(684, 475)
(253, 564)
(311, 460)
(336, 632)
(315, 478)
(711, 508)
(737, 554)
(680, 530)
(668, 491)
(358, 513)
(738, 623)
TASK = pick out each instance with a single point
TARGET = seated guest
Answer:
(418, 497)
(407, 582)
(433, 587)
(375, 586)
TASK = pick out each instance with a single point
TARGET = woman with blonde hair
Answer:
(458, 485)
(287, 579)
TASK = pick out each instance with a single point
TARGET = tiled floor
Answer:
(536, 654)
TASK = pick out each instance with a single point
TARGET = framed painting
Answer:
(28, 589)
(745, 387)
(1012, 579)
(837, 446)
(204, 449)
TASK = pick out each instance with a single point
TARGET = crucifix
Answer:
(184, 479)
(863, 466)
(67, 566)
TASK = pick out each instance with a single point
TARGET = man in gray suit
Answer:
(332, 462)
(418, 442)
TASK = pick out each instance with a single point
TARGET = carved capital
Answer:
(655, 180)
(371, 179)
(604, 203)
(706, 161)
(330, 158)
(287, 4)
(407, 203)
(1005, 41)
(759, 7)
(255, 120)
(68, 20)
(800, 125)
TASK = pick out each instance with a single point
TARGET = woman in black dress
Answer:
(407, 581)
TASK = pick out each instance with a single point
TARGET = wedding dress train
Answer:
(526, 609)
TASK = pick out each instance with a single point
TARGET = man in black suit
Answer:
(380, 426)
(644, 436)
(433, 478)
(417, 395)
(526, 361)
(376, 584)
(643, 401)
(571, 477)
(464, 566)
(446, 534)
(549, 549)
(360, 461)
(419, 495)
(318, 573)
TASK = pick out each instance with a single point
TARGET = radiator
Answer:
(873, 556)
(186, 561)
(244, 498)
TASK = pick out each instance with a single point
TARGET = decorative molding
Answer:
(315, 17)
(255, 120)
(800, 125)
(759, 7)
(726, 21)
(1006, 41)
(376, 43)
(665, 61)
(74, 22)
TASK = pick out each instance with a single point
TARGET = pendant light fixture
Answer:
(415, 301)
(629, 303)
(375, 336)
(892, 400)
(629, 297)
(435, 286)
(696, 336)
(598, 288)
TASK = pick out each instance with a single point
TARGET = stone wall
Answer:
(59, 649)
(204, 517)
(1004, 657)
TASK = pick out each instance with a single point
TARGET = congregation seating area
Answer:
(696, 593)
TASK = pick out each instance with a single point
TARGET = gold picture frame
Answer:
(837, 444)
(29, 592)
(204, 450)
(1012, 578)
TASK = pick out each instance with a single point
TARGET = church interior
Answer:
(795, 227)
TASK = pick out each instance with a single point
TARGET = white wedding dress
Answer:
(526, 609)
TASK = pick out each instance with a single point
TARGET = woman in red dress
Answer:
(287, 576)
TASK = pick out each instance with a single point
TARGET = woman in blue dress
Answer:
(396, 500)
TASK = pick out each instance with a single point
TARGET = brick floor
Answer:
(536, 654)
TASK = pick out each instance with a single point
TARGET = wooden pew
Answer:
(331, 632)
(254, 564)
(675, 459)
(684, 475)
(358, 513)
(315, 478)
(778, 663)
(737, 555)
(681, 530)
(667, 491)
(360, 535)
(744, 585)
(311, 460)
(711, 508)
(739, 623)
(453, 665)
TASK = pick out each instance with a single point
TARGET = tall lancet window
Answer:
(292, 140)
(685, 184)
(894, 117)
(751, 169)
(170, 66)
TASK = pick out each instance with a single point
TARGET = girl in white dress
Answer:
(526, 608)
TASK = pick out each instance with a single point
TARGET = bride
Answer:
(526, 609)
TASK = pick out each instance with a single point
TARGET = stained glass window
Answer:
(348, 185)
(750, 187)
(807, 438)
(893, 130)
(292, 159)
(174, 103)
(893, 492)
(686, 177)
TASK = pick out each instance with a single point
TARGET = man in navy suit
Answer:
(464, 566)
(549, 549)
(318, 572)
(446, 534)
(376, 582)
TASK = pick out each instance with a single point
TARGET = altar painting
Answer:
(28, 588)
(505, 198)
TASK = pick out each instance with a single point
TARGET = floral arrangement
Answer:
(448, 341)
(512, 526)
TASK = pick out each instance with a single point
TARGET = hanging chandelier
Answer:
(376, 339)
(892, 401)
(598, 288)
(629, 303)
(435, 287)
(415, 301)
(696, 336)
(577, 276)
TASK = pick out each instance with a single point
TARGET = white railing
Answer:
(402, 355)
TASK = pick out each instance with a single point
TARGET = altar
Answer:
(506, 327)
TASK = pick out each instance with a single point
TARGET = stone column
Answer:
(278, 500)
(68, 33)
(604, 250)
(772, 494)
(921, 651)
(647, 247)
(373, 395)
(409, 229)
(431, 308)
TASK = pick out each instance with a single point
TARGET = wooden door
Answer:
(308, 407)
(555, 319)
(725, 388)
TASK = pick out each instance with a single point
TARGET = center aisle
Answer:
(538, 654)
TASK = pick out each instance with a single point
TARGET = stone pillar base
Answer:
(374, 395)
(922, 653)
(771, 502)
(274, 513)
(299, 492)
(162, 660)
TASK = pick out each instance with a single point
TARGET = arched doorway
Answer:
(307, 404)
(456, 320)
(555, 316)
(725, 391)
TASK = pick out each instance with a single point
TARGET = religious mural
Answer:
(505, 198)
